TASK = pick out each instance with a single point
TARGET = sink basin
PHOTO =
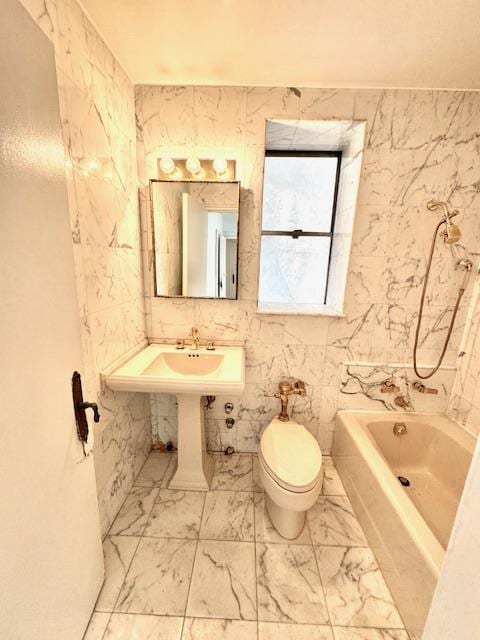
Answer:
(161, 368)
(186, 364)
(190, 374)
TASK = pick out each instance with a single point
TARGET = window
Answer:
(298, 217)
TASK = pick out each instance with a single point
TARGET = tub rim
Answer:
(411, 517)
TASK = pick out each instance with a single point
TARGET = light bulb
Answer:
(193, 166)
(220, 166)
(167, 165)
(92, 165)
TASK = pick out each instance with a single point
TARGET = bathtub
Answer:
(408, 527)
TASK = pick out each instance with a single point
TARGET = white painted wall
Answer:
(197, 230)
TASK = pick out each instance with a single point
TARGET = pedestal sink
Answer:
(190, 374)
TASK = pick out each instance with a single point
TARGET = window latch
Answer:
(296, 233)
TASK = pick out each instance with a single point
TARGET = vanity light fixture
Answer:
(220, 166)
(193, 166)
(167, 165)
(196, 169)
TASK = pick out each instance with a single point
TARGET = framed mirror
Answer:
(195, 238)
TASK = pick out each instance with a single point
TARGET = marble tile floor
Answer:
(191, 565)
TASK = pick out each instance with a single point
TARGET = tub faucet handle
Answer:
(421, 388)
(389, 387)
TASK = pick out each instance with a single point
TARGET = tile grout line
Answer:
(324, 593)
(273, 622)
(193, 567)
(108, 535)
(140, 537)
(106, 626)
(121, 586)
(135, 486)
(253, 493)
(287, 542)
(255, 554)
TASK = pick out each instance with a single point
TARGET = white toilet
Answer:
(291, 470)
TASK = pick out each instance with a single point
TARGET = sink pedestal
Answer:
(195, 466)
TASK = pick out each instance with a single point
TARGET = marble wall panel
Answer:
(98, 121)
(418, 145)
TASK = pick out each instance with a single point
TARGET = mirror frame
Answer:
(151, 232)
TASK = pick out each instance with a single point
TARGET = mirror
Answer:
(195, 238)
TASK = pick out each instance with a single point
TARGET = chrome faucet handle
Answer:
(421, 388)
(389, 387)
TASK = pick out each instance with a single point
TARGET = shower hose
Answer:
(461, 291)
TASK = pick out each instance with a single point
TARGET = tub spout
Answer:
(403, 403)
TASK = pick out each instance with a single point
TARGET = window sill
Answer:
(282, 309)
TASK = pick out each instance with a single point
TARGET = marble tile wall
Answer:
(419, 145)
(464, 406)
(98, 122)
(361, 385)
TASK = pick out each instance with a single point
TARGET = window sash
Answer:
(296, 233)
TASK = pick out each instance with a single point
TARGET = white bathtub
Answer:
(407, 527)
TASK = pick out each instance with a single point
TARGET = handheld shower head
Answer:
(452, 233)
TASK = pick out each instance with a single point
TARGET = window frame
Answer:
(297, 233)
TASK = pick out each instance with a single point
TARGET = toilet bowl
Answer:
(291, 472)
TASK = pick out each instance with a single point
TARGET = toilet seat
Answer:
(291, 456)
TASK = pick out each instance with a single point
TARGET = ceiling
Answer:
(304, 43)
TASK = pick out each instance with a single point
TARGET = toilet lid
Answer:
(291, 454)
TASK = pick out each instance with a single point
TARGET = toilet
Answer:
(291, 471)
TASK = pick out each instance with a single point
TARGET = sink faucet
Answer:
(195, 338)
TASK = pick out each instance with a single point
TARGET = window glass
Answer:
(298, 192)
(294, 270)
(299, 195)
